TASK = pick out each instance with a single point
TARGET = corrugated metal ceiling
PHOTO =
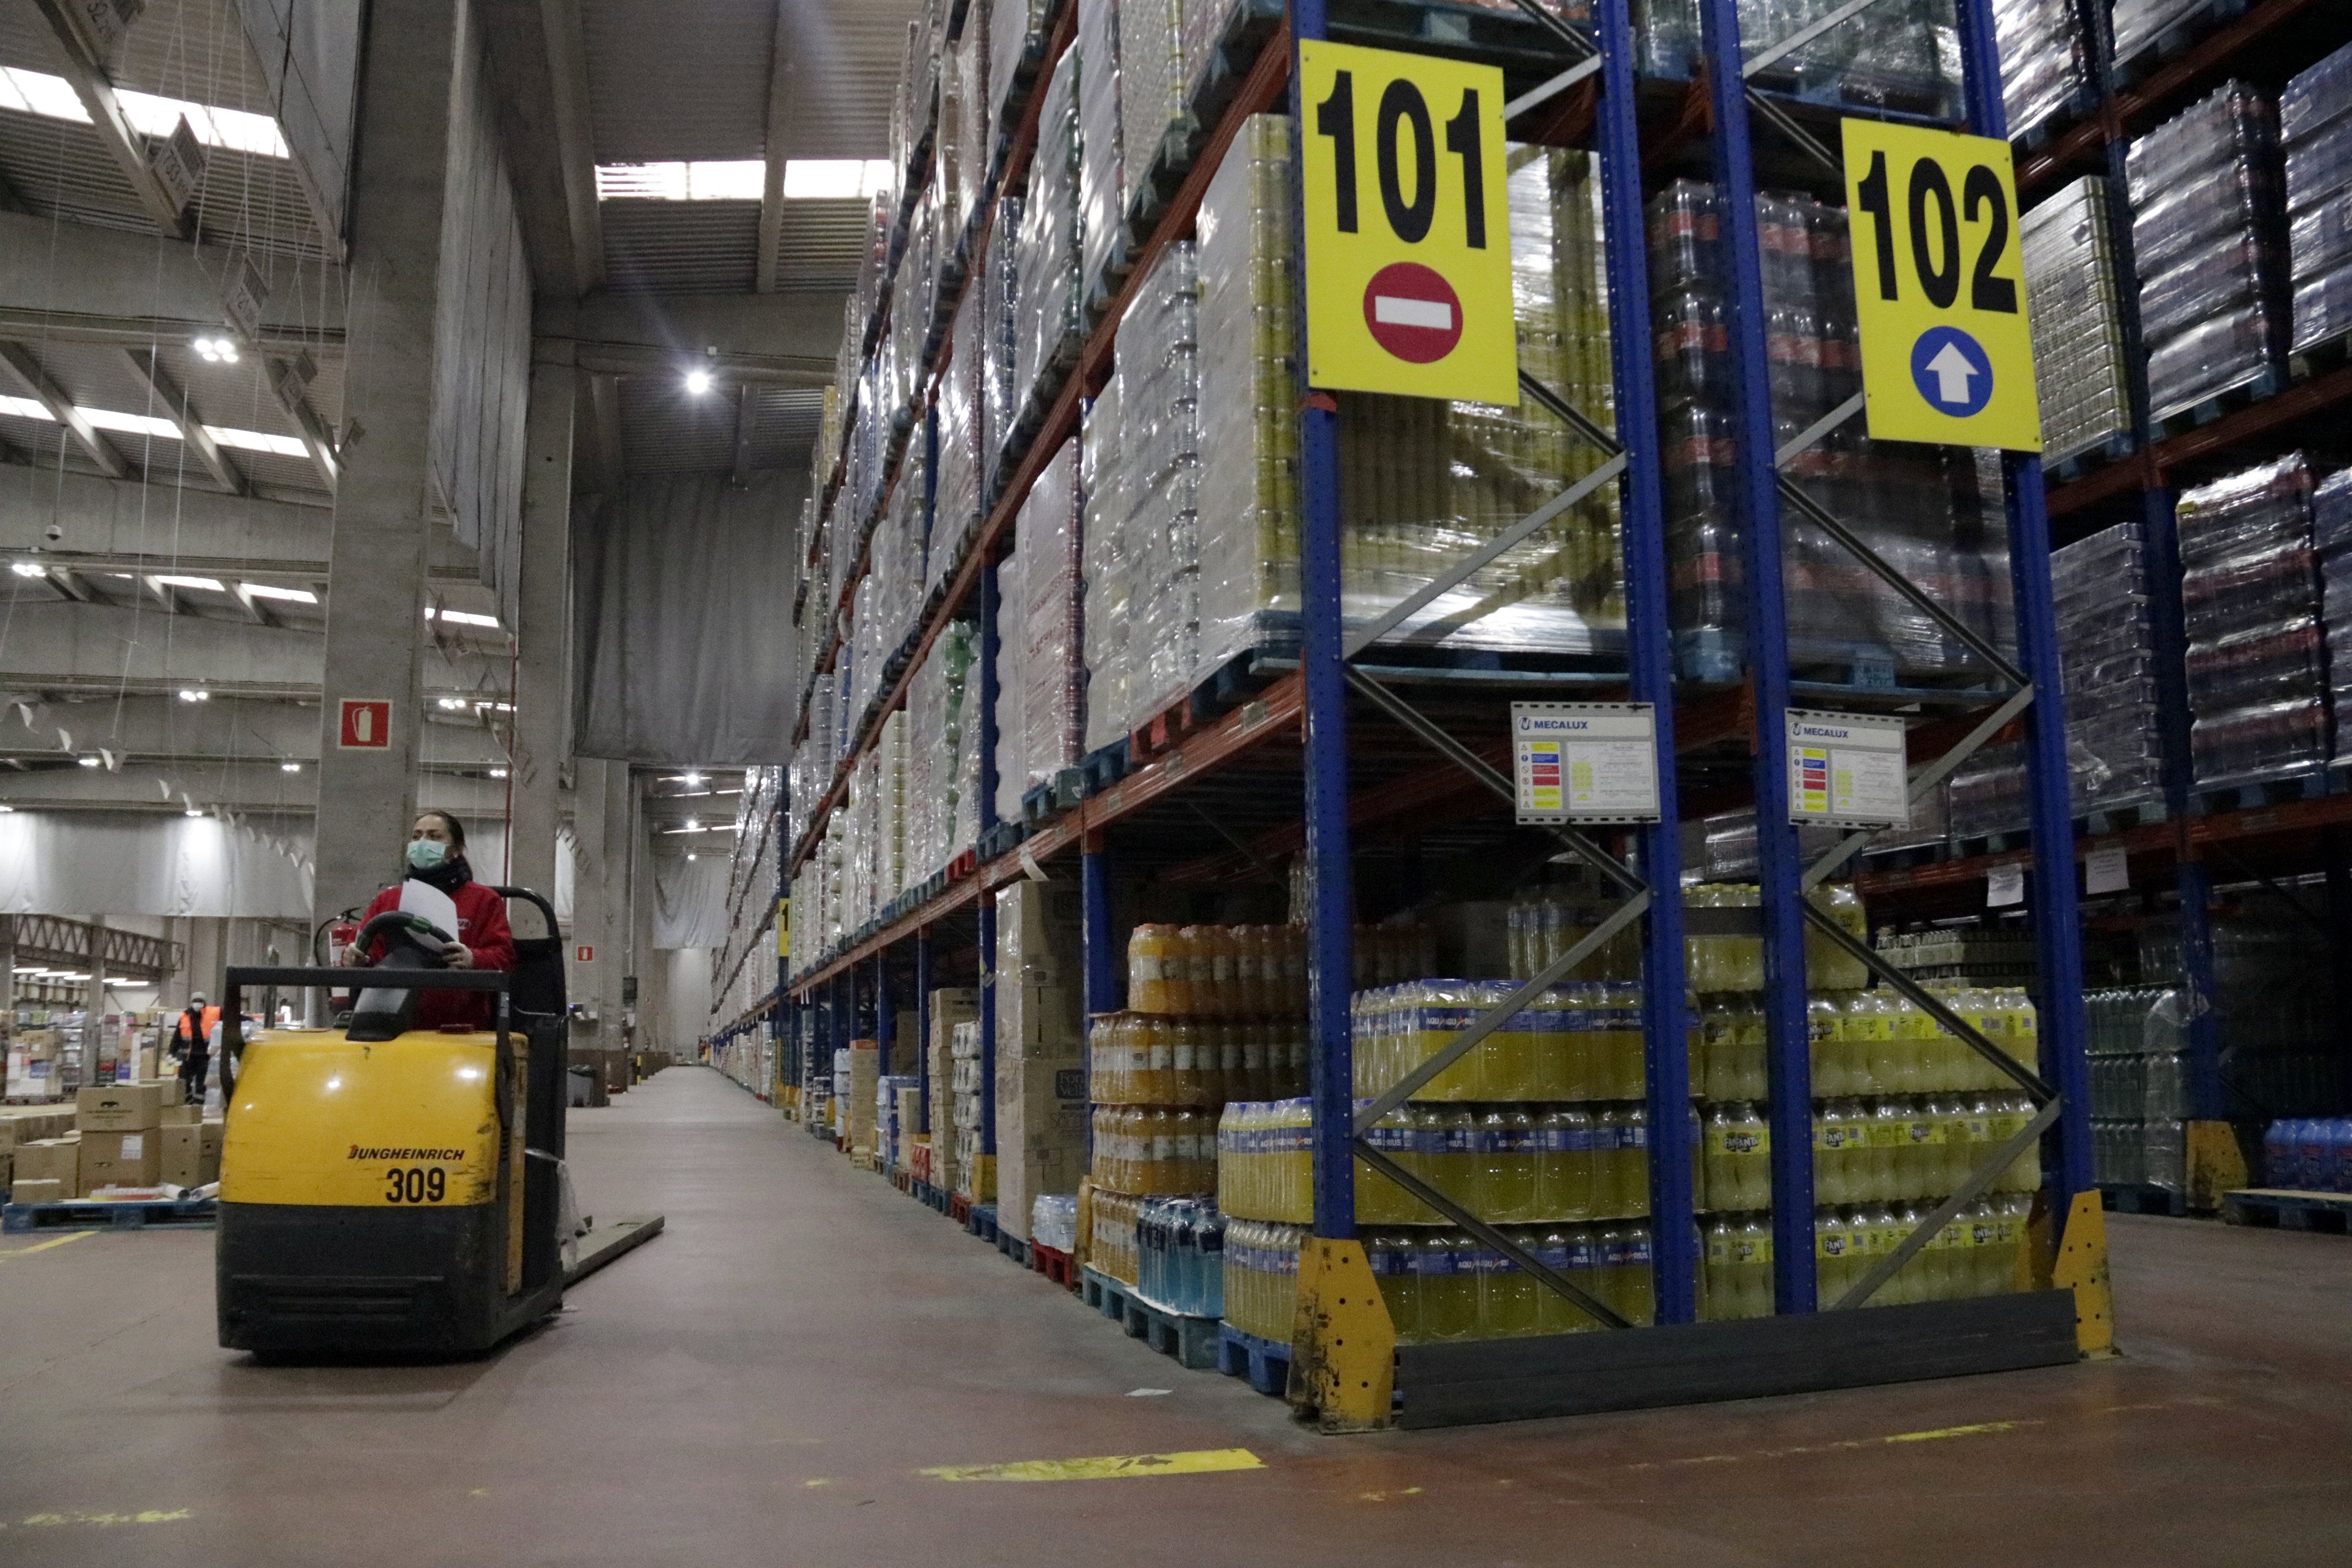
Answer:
(681, 248)
(678, 79)
(843, 57)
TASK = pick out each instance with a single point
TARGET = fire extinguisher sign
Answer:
(366, 724)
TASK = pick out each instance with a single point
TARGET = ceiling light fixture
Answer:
(28, 569)
(272, 591)
(192, 811)
(497, 773)
(697, 382)
(692, 781)
(216, 351)
(289, 767)
(195, 694)
(87, 761)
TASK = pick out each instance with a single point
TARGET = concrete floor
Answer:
(765, 1382)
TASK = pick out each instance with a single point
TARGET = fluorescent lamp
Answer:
(468, 618)
(272, 591)
(87, 761)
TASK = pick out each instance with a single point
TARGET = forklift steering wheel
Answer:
(397, 925)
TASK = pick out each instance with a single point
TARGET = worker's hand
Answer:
(353, 957)
(459, 956)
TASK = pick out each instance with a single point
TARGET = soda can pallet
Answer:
(1192, 1341)
(2288, 1209)
(1263, 1364)
(82, 1215)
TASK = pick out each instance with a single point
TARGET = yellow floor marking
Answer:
(1109, 1468)
(1845, 1445)
(45, 1246)
(146, 1515)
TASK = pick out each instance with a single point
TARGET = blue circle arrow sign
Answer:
(1952, 371)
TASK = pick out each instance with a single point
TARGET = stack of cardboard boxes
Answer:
(123, 1138)
(1041, 1093)
(33, 1057)
(950, 1005)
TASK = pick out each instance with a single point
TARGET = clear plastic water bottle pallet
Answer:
(1055, 1265)
(1042, 803)
(1489, 35)
(2142, 1199)
(1026, 72)
(2315, 784)
(1013, 1246)
(2289, 1209)
(1262, 1362)
(2178, 39)
(2266, 383)
(84, 1215)
(2082, 464)
(1192, 1342)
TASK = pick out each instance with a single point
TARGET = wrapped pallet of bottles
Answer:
(2331, 520)
(2107, 643)
(2042, 68)
(1102, 162)
(972, 1173)
(1924, 509)
(2078, 341)
(2209, 233)
(2316, 124)
(1051, 248)
(1895, 56)
(2259, 697)
(1215, 1014)
(1543, 1131)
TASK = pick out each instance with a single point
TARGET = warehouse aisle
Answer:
(769, 1381)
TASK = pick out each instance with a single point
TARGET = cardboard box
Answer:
(120, 1108)
(187, 1114)
(168, 1085)
(121, 1159)
(1040, 1134)
(55, 1160)
(51, 1191)
(950, 1005)
(865, 1077)
(183, 1154)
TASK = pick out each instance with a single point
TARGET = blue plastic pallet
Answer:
(1265, 1364)
(80, 1215)
(1189, 1341)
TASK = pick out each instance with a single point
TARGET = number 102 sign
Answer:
(1408, 226)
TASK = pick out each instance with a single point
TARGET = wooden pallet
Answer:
(98, 1214)
(2289, 1208)
(1189, 1341)
(1263, 1364)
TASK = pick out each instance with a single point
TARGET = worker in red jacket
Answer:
(437, 857)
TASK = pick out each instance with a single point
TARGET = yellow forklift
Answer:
(392, 1191)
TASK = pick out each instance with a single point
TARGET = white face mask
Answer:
(424, 854)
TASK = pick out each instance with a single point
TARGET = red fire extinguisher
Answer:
(339, 933)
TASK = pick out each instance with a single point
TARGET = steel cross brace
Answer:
(1926, 775)
(1545, 1275)
(1921, 998)
(1969, 1192)
(1510, 538)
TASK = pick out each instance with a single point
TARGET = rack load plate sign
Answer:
(1408, 226)
(1847, 770)
(1585, 761)
(1939, 284)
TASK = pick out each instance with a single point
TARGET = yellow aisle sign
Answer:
(1408, 226)
(1946, 352)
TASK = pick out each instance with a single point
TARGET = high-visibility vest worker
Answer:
(195, 1029)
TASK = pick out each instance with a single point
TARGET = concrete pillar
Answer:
(93, 1028)
(600, 895)
(367, 796)
(543, 613)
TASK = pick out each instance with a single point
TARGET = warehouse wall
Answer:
(72, 863)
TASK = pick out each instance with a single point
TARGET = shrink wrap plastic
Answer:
(2209, 235)
(2249, 591)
